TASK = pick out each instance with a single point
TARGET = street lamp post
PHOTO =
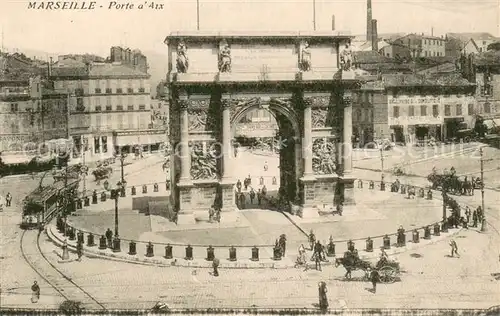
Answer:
(122, 182)
(115, 194)
(483, 213)
(382, 175)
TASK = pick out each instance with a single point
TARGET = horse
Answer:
(351, 264)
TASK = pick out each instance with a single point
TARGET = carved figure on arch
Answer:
(224, 57)
(197, 120)
(203, 163)
(182, 58)
(304, 56)
(324, 156)
(346, 57)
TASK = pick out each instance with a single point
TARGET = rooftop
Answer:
(100, 70)
(483, 36)
(491, 58)
(411, 80)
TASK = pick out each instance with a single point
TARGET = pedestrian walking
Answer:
(454, 248)
(252, 196)
(374, 278)
(282, 244)
(323, 299)
(266, 167)
(215, 266)
(35, 292)
(79, 250)
(259, 197)
(474, 218)
(8, 199)
(312, 239)
(109, 237)
(467, 213)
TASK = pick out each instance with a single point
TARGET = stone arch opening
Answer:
(287, 144)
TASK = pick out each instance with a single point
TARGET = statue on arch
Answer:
(304, 57)
(182, 58)
(346, 57)
(224, 57)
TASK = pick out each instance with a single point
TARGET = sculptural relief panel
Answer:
(205, 160)
(199, 115)
(324, 153)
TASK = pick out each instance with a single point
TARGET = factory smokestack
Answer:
(374, 38)
(368, 20)
(333, 22)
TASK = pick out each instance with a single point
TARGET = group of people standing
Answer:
(258, 196)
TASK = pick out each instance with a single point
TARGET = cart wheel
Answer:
(388, 274)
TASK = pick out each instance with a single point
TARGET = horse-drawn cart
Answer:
(389, 271)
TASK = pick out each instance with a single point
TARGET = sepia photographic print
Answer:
(279, 157)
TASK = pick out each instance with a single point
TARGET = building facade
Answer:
(415, 45)
(487, 75)
(32, 113)
(110, 108)
(420, 108)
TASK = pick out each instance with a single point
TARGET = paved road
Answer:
(431, 279)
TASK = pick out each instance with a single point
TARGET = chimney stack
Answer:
(50, 67)
(368, 20)
(374, 35)
(333, 22)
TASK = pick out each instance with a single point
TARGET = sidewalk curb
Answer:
(197, 263)
(161, 261)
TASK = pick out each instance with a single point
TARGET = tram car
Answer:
(41, 205)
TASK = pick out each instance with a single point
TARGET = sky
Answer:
(97, 30)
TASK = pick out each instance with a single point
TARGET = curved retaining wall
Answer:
(244, 256)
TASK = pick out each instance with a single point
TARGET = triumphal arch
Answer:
(304, 78)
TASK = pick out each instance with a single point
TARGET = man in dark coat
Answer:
(282, 244)
(35, 292)
(312, 239)
(374, 278)
(79, 250)
(215, 266)
(8, 199)
(474, 218)
(238, 186)
(252, 196)
(109, 237)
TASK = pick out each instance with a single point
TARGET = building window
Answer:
(104, 142)
(411, 110)
(130, 107)
(119, 107)
(459, 109)
(109, 108)
(97, 101)
(109, 90)
(142, 107)
(423, 110)
(447, 110)
(120, 121)
(435, 110)
(97, 90)
(53, 123)
(79, 105)
(395, 111)
(130, 90)
(98, 108)
(119, 90)
(14, 107)
(470, 109)
(79, 91)
(97, 147)
(487, 108)
(142, 90)
(487, 90)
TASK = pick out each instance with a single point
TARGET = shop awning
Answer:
(131, 140)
